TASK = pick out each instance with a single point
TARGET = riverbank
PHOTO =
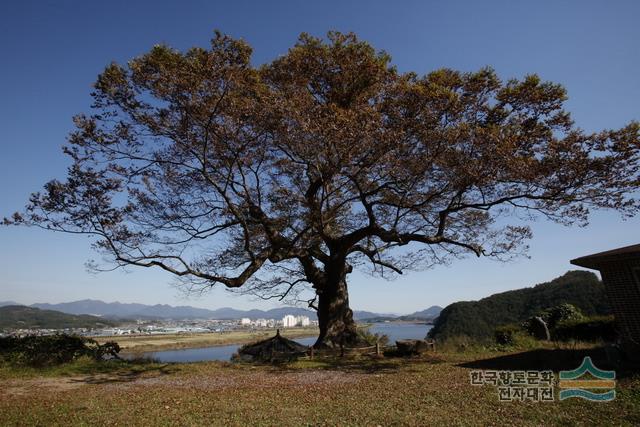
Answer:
(150, 343)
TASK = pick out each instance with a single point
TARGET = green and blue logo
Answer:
(572, 385)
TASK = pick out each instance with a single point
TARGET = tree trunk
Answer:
(335, 318)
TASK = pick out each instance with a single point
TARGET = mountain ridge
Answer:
(429, 313)
(120, 310)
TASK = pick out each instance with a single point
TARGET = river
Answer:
(395, 331)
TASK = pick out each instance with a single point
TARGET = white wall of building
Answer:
(289, 321)
(302, 321)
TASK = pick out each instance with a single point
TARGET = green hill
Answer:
(22, 317)
(478, 319)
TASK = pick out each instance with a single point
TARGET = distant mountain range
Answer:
(164, 311)
(119, 310)
(430, 313)
(5, 303)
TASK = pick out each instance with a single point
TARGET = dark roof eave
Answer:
(585, 262)
(595, 261)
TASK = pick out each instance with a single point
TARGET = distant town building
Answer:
(261, 323)
(302, 321)
(289, 321)
(245, 321)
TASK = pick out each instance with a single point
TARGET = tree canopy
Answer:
(325, 159)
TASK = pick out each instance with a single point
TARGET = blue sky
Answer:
(52, 51)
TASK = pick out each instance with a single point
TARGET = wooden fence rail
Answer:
(377, 349)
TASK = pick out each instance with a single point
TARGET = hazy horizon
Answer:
(4, 302)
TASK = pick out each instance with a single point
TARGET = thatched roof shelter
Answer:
(275, 347)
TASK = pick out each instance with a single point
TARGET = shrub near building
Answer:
(597, 328)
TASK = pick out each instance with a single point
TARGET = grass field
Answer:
(432, 390)
(144, 343)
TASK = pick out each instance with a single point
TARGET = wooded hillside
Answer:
(478, 319)
(22, 317)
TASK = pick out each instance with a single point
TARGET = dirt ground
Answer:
(219, 381)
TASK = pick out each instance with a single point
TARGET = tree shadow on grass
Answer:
(551, 359)
(363, 365)
(124, 373)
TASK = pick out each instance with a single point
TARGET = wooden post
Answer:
(311, 352)
(341, 349)
(377, 348)
(432, 343)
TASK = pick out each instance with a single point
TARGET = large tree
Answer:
(291, 174)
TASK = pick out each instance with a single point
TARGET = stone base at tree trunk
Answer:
(345, 335)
